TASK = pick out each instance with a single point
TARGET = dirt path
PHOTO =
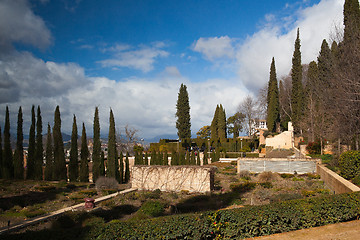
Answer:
(343, 231)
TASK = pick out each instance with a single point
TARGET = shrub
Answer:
(268, 176)
(245, 174)
(106, 183)
(285, 197)
(349, 164)
(356, 180)
(152, 208)
(266, 184)
(242, 187)
(314, 147)
(286, 175)
(153, 194)
(88, 192)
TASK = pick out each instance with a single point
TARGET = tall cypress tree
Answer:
(174, 158)
(30, 164)
(222, 123)
(351, 21)
(127, 169)
(214, 124)
(273, 105)
(84, 156)
(96, 158)
(38, 147)
(49, 155)
(19, 156)
(59, 168)
(183, 124)
(205, 158)
(1, 156)
(8, 156)
(112, 170)
(74, 156)
(121, 172)
(102, 164)
(297, 97)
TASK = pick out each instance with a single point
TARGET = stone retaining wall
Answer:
(336, 183)
(173, 178)
(279, 165)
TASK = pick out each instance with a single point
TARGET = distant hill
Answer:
(164, 136)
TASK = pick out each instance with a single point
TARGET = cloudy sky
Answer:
(133, 55)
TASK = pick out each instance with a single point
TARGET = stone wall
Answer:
(279, 165)
(336, 183)
(173, 178)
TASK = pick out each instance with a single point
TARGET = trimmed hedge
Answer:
(349, 164)
(239, 223)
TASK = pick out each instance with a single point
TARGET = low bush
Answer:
(152, 208)
(285, 197)
(349, 163)
(106, 183)
(356, 180)
(268, 176)
(266, 184)
(286, 175)
(240, 223)
(242, 187)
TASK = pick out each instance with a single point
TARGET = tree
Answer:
(183, 124)
(96, 158)
(214, 124)
(102, 164)
(222, 123)
(38, 167)
(74, 156)
(351, 21)
(2, 167)
(273, 105)
(59, 168)
(8, 170)
(235, 124)
(49, 155)
(19, 154)
(174, 158)
(248, 108)
(84, 157)
(127, 168)
(112, 170)
(121, 172)
(205, 158)
(297, 97)
(30, 163)
(204, 132)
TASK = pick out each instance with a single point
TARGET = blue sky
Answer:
(133, 55)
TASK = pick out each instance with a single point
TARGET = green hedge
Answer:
(349, 164)
(239, 223)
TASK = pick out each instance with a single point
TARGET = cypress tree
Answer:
(174, 159)
(112, 165)
(127, 168)
(182, 160)
(96, 159)
(8, 160)
(74, 156)
(214, 124)
(84, 157)
(102, 164)
(146, 159)
(192, 158)
(49, 156)
(351, 21)
(166, 161)
(1, 156)
(198, 159)
(221, 123)
(59, 168)
(297, 97)
(205, 158)
(183, 124)
(38, 166)
(153, 159)
(30, 164)
(121, 172)
(273, 105)
(19, 153)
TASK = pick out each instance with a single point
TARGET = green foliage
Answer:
(356, 180)
(242, 187)
(152, 208)
(273, 105)
(297, 97)
(349, 163)
(59, 169)
(286, 175)
(266, 184)
(235, 124)
(8, 166)
(183, 124)
(314, 147)
(74, 164)
(49, 157)
(30, 162)
(112, 166)
(204, 132)
(127, 169)
(38, 171)
(19, 155)
(84, 156)
(98, 168)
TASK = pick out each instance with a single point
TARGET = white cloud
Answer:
(315, 23)
(19, 24)
(215, 47)
(142, 58)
